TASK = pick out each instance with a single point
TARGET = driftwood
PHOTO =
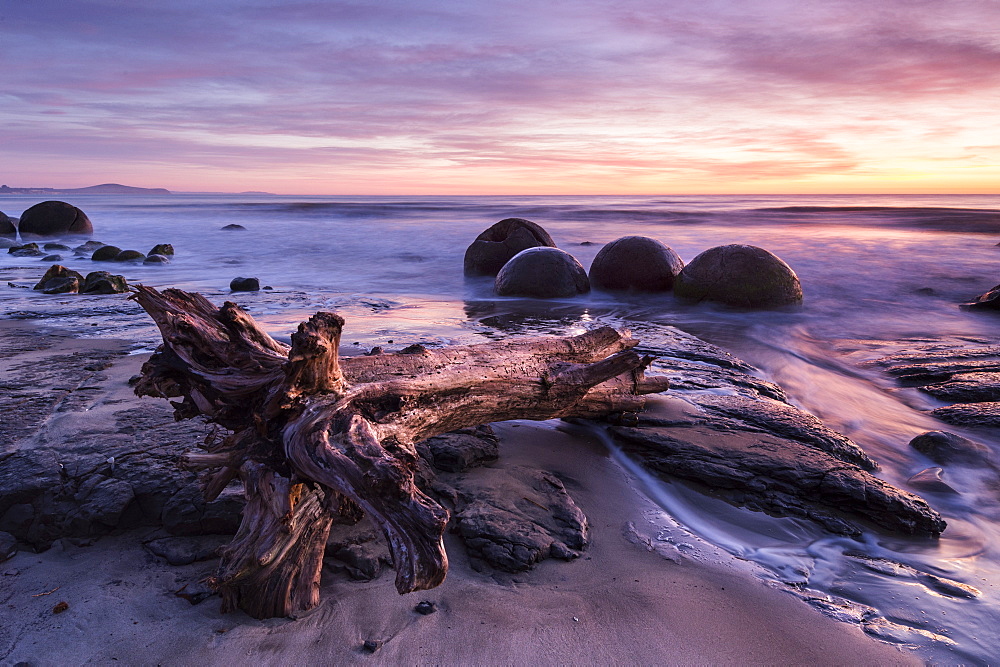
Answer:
(317, 439)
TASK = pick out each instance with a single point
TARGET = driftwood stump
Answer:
(317, 439)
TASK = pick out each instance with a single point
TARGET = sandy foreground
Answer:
(624, 602)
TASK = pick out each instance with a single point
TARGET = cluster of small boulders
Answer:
(526, 262)
(61, 280)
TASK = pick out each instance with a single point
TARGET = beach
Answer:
(631, 598)
(93, 478)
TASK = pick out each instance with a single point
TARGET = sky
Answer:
(503, 97)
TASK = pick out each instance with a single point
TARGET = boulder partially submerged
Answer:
(743, 276)
(498, 244)
(542, 272)
(7, 228)
(635, 263)
(54, 218)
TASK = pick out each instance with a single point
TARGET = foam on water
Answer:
(878, 273)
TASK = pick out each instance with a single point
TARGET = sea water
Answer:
(880, 274)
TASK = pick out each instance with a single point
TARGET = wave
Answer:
(972, 220)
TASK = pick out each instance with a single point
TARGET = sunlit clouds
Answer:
(503, 97)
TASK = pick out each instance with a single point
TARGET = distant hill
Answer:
(104, 189)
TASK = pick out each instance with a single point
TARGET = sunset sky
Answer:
(472, 97)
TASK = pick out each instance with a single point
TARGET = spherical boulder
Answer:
(7, 227)
(498, 244)
(53, 218)
(129, 256)
(739, 275)
(106, 253)
(164, 249)
(637, 263)
(542, 272)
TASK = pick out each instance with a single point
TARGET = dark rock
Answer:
(425, 607)
(542, 272)
(52, 258)
(513, 518)
(52, 218)
(106, 253)
(8, 546)
(944, 448)
(739, 275)
(57, 271)
(754, 414)
(463, 449)
(87, 248)
(7, 227)
(587, 243)
(164, 249)
(929, 480)
(498, 244)
(987, 301)
(359, 550)
(129, 256)
(195, 592)
(234, 227)
(967, 387)
(102, 282)
(970, 414)
(156, 259)
(185, 550)
(371, 645)
(67, 285)
(637, 263)
(926, 291)
(240, 284)
(56, 246)
(187, 513)
(102, 500)
(26, 250)
(778, 476)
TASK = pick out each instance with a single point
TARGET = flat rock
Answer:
(779, 476)
(8, 546)
(463, 449)
(952, 371)
(360, 551)
(510, 519)
(185, 550)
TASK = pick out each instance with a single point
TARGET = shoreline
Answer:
(632, 604)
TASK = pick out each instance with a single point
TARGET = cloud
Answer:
(533, 91)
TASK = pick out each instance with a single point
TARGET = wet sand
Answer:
(623, 602)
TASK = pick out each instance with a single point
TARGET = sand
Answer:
(622, 603)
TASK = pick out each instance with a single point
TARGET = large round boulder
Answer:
(53, 218)
(7, 227)
(498, 244)
(739, 275)
(637, 263)
(542, 272)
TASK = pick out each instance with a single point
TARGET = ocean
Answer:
(880, 274)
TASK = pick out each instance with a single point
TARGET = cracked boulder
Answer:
(495, 246)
